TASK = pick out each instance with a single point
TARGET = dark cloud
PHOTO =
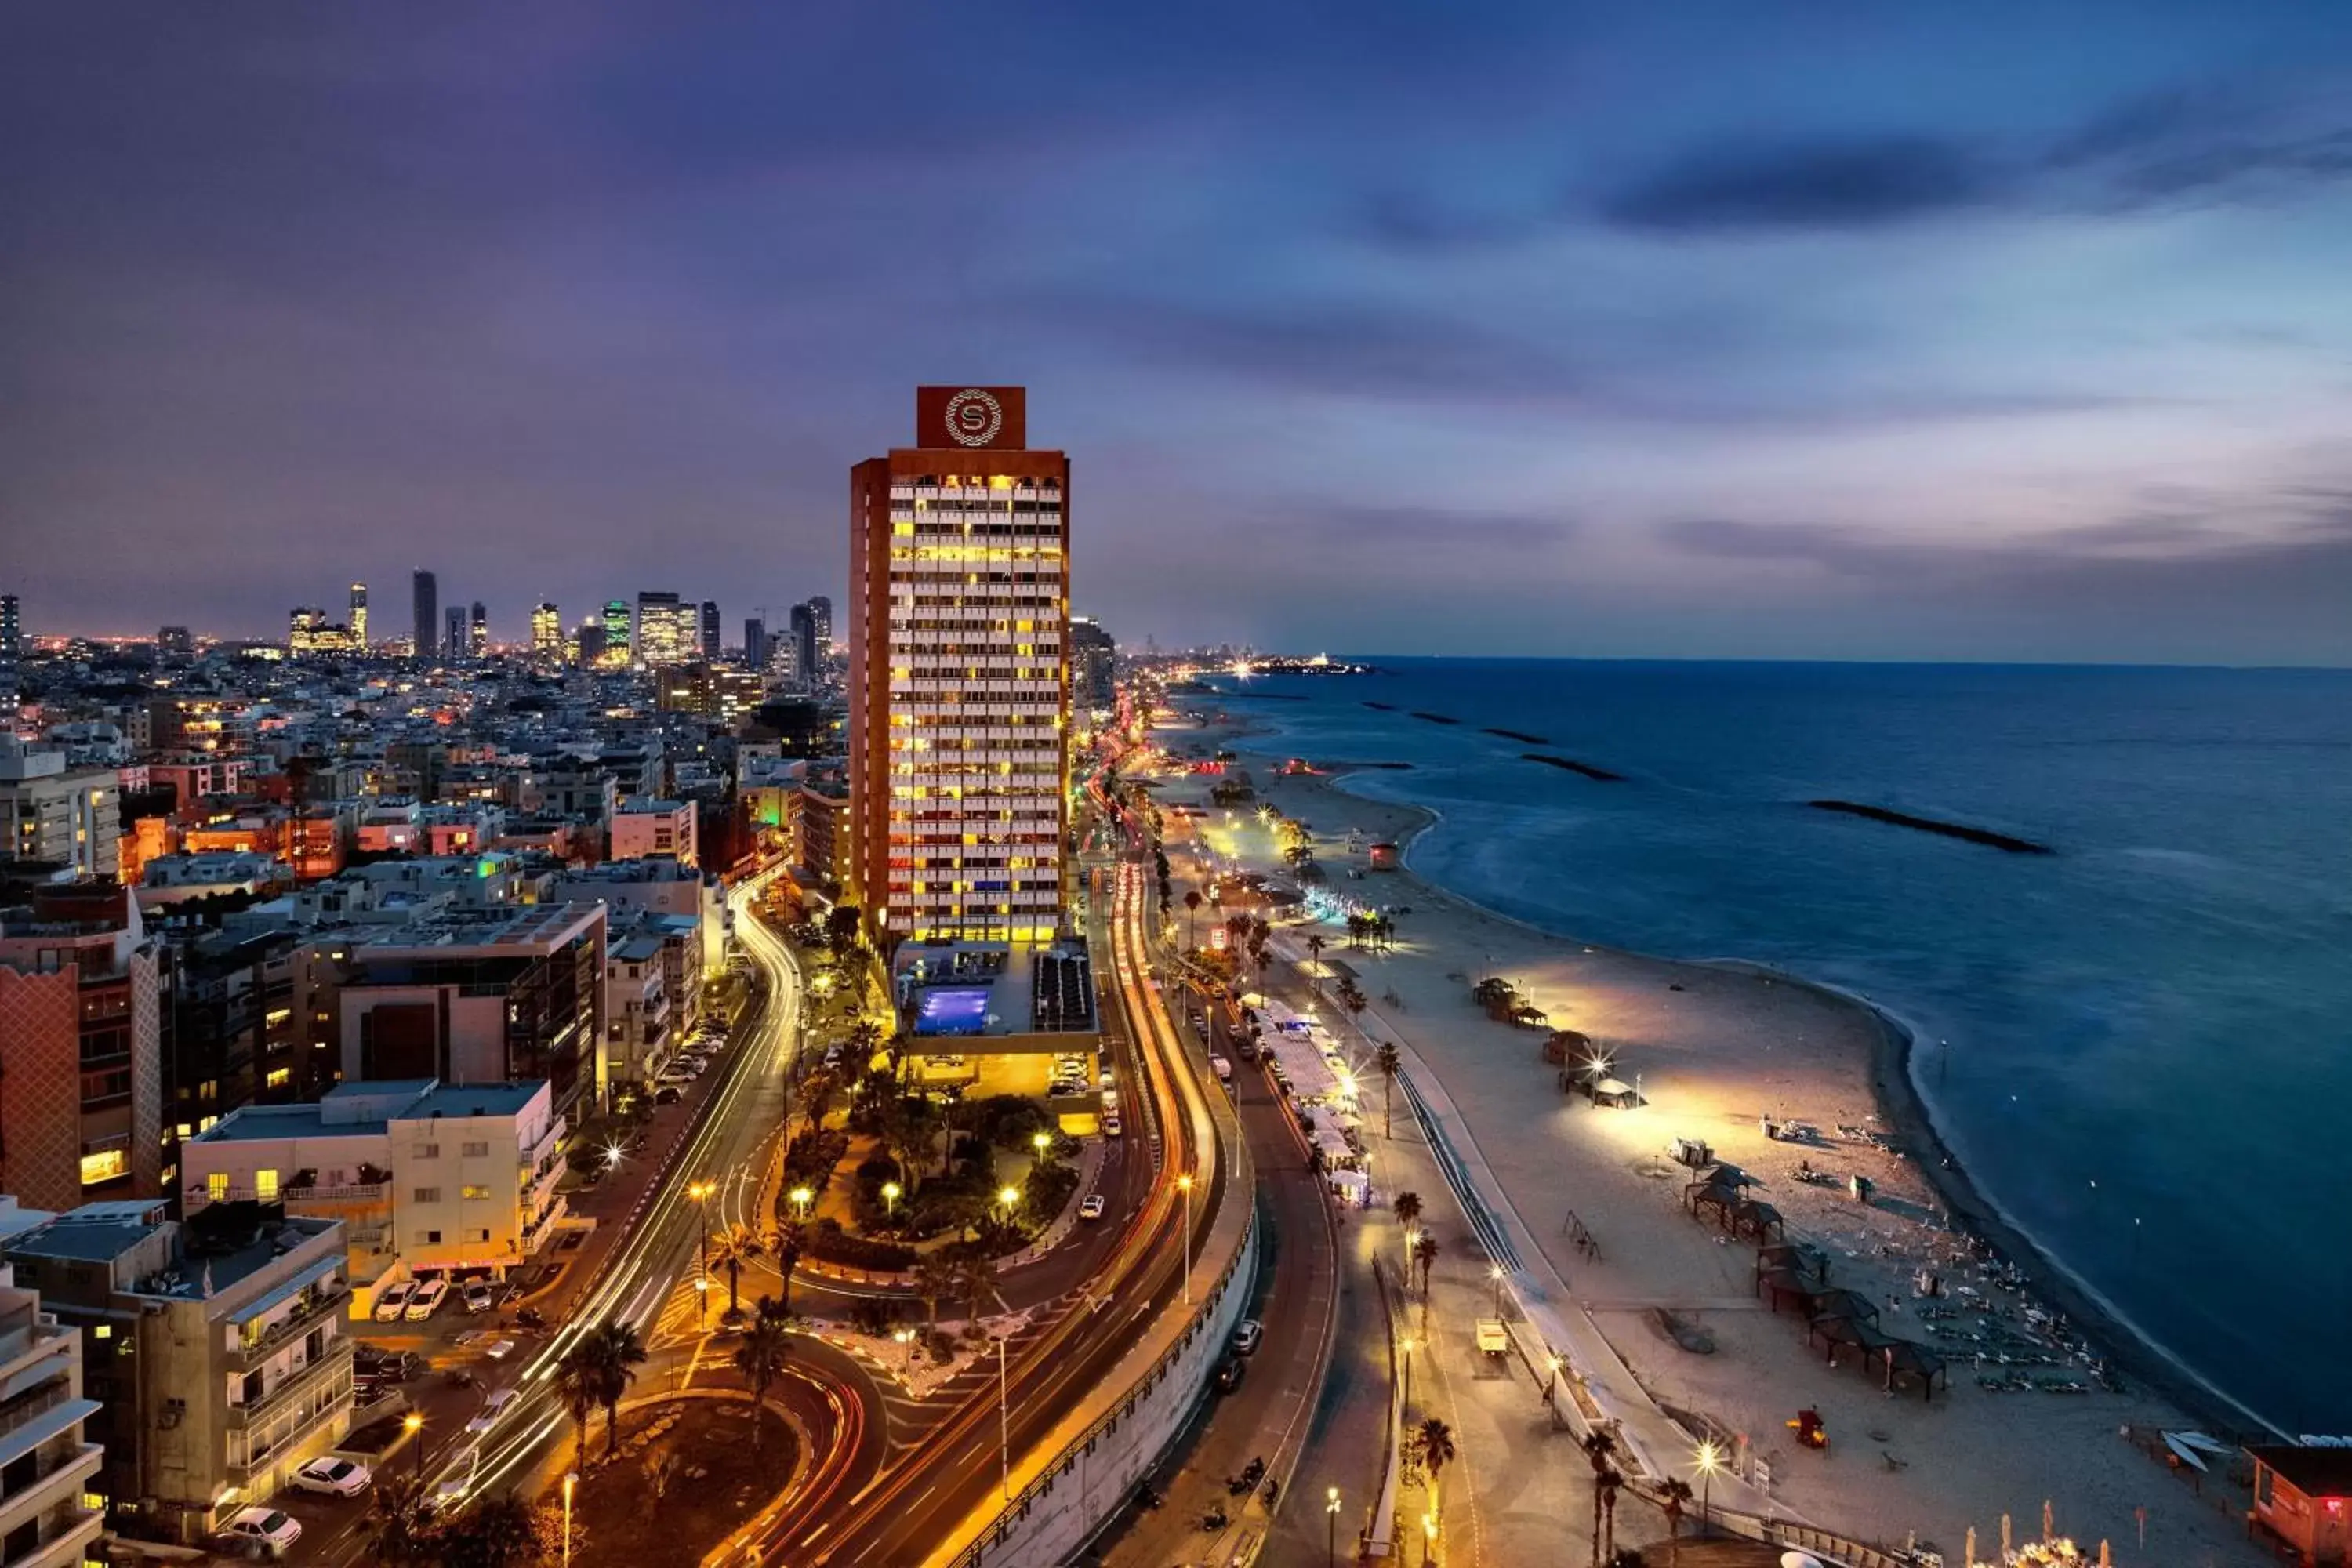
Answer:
(1855, 183)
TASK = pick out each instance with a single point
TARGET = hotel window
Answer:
(472, 1193)
(216, 1186)
(264, 1185)
(104, 1166)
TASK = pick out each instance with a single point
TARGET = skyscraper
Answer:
(803, 641)
(426, 590)
(958, 687)
(821, 624)
(358, 617)
(755, 643)
(1093, 656)
(546, 631)
(616, 626)
(479, 643)
(712, 640)
(455, 645)
(667, 632)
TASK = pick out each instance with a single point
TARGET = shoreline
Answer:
(1909, 1112)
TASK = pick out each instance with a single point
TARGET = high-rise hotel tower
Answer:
(958, 675)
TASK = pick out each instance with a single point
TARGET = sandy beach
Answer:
(1713, 1047)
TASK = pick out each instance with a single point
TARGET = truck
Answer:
(1494, 1339)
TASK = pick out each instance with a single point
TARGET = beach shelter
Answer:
(1788, 1284)
(1838, 1333)
(1792, 1255)
(1751, 1216)
(1829, 1304)
(1614, 1092)
(1904, 1358)
(1725, 1174)
(1722, 1199)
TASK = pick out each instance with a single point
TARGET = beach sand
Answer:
(1713, 1047)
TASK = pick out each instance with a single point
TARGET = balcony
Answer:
(311, 1376)
(245, 1350)
(64, 1537)
(35, 1488)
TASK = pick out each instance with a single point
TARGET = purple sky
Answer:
(1829, 330)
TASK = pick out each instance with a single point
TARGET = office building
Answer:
(477, 996)
(453, 646)
(667, 630)
(1093, 661)
(55, 814)
(714, 692)
(958, 687)
(710, 641)
(804, 644)
(755, 643)
(81, 1041)
(588, 648)
(358, 623)
(616, 627)
(12, 628)
(51, 1508)
(477, 642)
(174, 642)
(425, 590)
(214, 1349)
(820, 609)
(546, 632)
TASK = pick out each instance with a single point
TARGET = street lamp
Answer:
(1709, 1459)
(906, 1338)
(1552, 1364)
(700, 1193)
(1184, 1185)
(413, 1424)
(702, 1297)
(1040, 1141)
(1332, 1527)
(1003, 1422)
(1494, 1272)
(1428, 1539)
(801, 1198)
(890, 1191)
(1405, 1401)
(571, 1480)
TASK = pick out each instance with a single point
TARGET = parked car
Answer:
(668, 1094)
(1246, 1334)
(338, 1477)
(1229, 1375)
(1093, 1207)
(427, 1300)
(392, 1300)
(478, 1296)
(387, 1366)
(270, 1531)
(1111, 1128)
(492, 1408)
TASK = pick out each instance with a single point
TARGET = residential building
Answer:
(822, 832)
(51, 1508)
(359, 621)
(56, 814)
(12, 628)
(81, 1045)
(478, 641)
(641, 1027)
(546, 631)
(477, 996)
(1093, 658)
(959, 680)
(428, 1178)
(426, 591)
(657, 885)
(644, 826)
(176, 879)
(709, 642)
(214, 1349)
(176, 642)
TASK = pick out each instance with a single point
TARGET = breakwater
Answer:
(1381, 707)
(1570, 764)
(1521, 736)
(1435, 718)
(1983, 836)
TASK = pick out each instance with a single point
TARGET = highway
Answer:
(906, 1515)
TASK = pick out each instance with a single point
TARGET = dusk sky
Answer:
(1838, 329)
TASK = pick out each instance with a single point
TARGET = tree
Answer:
(1192, 918)
(760, 1356)
(1314, 962)
(1674, 1496)
(1389, 1062)
(935, 1281)
(1407, 1207)
(1433, 1441)
(1425, 1253)
(618, 1352)
(400, 1519)
(1351, 996)
(1600, 1448)
(580, 1385)
(816, 1097)
(737, 1245)
(791, 1240)
(1611, 1482)
(865, 1039)
(843, 927)
(495, 1532)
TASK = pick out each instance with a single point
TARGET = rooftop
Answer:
(473, 1099)
(994, 989)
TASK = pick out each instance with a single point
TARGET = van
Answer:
(1223, 1069)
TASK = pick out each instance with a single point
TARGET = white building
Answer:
(643, 826)
(48, 1466)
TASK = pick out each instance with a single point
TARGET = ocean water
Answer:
(2140, 1047)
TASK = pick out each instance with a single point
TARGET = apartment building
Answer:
(56, 814)
(51, 1510)
(643, 826)
(214, 1349)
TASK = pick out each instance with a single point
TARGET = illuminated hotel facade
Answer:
(958, 675)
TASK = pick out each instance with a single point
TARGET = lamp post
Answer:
(801, 1198)
(1709, 1459)
(1184, 1185)
(1008, 1199)
(413, 1424)
(702, 1301)
(1405, 1402)
(571, 1480)
(890, 1191)
(1551, 1387)
(906, 1338)
(1494, 1272)
(700, 1193)
(1332, 1527)
(1428, 1539)
(1003, 1422)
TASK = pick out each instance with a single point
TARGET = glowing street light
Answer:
(1428, 1539)
(1040, 1142)
(801, 1198)
(571, 1480)
(1184, 1185)
(702, 1297)
(1494, 1272)
(1332, 1527)
(700, 1193)
(1709, 1459)
(906, 1338)
(890, 1191)
(413, 1424)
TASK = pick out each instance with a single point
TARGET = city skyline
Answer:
(1686, 334)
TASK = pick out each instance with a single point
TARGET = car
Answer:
(492, 1408)
(498, 1349)
(478, 1296)
(1093, 1207)
(387, 1366)
(427, 1300)
(1246, 1335)
(668, 1094)
(392, 1300)
(270, 1531)
(338, 1477)
(1229, 1375)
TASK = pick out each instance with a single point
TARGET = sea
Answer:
(2138, 1045)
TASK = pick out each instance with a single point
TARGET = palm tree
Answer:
(400, 1519)
(816, 1097)
(619, 1354)
(935, 1281)
(1390, 1063)
(1407, 1207)
(496, 1532)
(760, 1356)
(1610, 1484)
(1351, 996)
(580, 1385)
(1425, 1252)
(1433, 1441)
(1192, 918)
(1314, 961)
(791, 1240)
(737, 1245)
(1673, 1496)
(1599, 1448)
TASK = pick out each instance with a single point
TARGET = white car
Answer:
(341, 1477)
(427, 1300)
(392, 1300)
(1246, 1334)
(492, 1408)
(274, 1529)
(478, 1296)
(1093, 1207)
